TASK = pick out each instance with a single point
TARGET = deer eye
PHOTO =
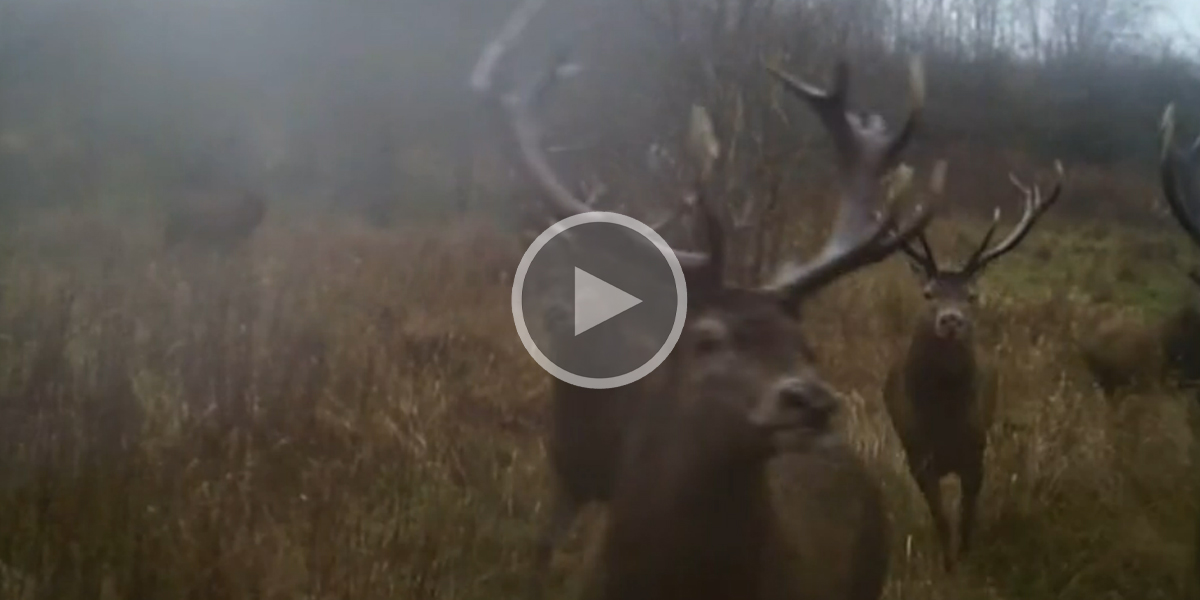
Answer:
(927, 292)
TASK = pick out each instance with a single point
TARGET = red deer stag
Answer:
(213, 220)
(941, 393)
(724, 476)
(1178, 170)
(1181, 186)
(1120, 354)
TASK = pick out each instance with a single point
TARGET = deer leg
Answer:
(562, 515)
(564, 510)
(931, 488)
(972, 482)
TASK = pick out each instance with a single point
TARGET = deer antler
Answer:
(1178, 173)
(924, 257)
(1035, 206)
(518, 107)
(863, 233)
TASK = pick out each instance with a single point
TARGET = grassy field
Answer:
(340, 412)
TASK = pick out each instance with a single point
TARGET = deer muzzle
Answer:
(951, 324)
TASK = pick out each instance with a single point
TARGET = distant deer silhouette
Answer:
(1179, 171)
(212, 219)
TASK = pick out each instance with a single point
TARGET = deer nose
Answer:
(814, 401)
(951, 322)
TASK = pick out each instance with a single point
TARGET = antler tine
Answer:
(667, 219)
(916, 84)
(482, 76)
(829, 105)
(1177, 170)
(1035, 207)
(883, 239)
(926, 247)
(518, 106)
(855, 138)
(924, 257)
(973, 261)
(865, 151)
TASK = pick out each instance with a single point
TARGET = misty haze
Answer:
(942, 331)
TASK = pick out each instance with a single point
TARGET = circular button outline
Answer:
(599, 383)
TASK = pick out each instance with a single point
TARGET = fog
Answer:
(258, 261)
(365, 103)
(254, 86)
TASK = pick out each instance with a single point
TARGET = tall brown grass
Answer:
(335, 412)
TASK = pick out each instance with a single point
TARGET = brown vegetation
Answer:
(411, 462)
(402, 455)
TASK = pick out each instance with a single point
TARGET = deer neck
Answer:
(939, 363)
(693, 518)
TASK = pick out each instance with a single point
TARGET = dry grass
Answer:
(341, 413)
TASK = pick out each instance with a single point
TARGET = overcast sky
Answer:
(1181, 18)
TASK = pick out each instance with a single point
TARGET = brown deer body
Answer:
(709, 507)
(1180, 176)
(213, 220)
(1121, 353)
(730, 475)
(1181, 342)
(941, 398)
(941, 392)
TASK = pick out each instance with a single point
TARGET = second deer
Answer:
(213, 219)
(941, 392)
(1180, 173)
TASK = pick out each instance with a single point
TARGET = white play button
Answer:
(597, 301)
(605, 307)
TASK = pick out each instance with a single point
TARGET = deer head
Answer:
(950, 292)
(741, 358)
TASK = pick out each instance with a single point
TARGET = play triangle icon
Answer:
(597, 301)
